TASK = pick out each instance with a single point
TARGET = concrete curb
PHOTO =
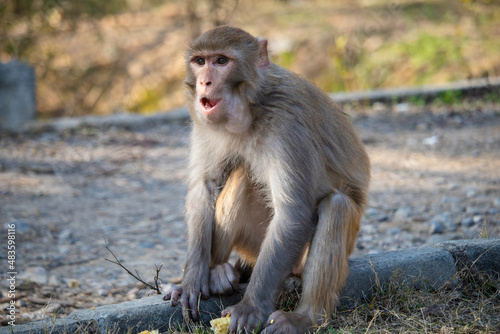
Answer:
(424, 267)
(475, 87)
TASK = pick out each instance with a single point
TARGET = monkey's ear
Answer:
(263, 61)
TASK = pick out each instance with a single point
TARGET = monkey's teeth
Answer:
(208, 104)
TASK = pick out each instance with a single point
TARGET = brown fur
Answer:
(277, 174)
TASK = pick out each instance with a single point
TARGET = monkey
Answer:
(277, 174)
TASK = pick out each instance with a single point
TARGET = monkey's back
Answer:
(331, 133)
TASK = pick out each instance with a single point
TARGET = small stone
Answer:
(493, 211)
(452, 186)
(403, 107)
(451, 200)
(435, 227)
(473, 210)
(376, 214)
(430, 141)
(379, 106)
(133, 294)
(54, 280)
(402, 214)
(35, 274)
(467, 222)
(73, 283)
(471, 192)
(496, 202)
(65, 235)
(477, 219)
(146, 244)
(422, 126)
(20, 226)
(394, 231)
(102, 292)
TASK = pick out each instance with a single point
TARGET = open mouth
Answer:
(208, 104)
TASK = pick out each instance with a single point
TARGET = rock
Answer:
(402, 214)
(133, 294)
(477, 219)
(431, 141)
(403, 107)
(376, 214)
(73, 282)
(496, 202)
(435, 227)
(35, 274)
(17, 95)
(21, 226)
(467, 222)
(147, 244)
(452, 200)
(54, 280)
(473, 210)
(394, 231)
(471, 192)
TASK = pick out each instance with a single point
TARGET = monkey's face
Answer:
(211, 71)
(216, 101)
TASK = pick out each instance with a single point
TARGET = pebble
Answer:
(430, 141)
(133, 294)
(376, 214)
(496, 202)
(402, 213)
(473, 210)
(477, 219)
(471, 192)
(22, 226)
(435, 227)
(403, 107)
(146, 244)
(452, 200)
(394, 231)
(35, 274)
(467, 222)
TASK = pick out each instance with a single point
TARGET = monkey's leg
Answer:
(238, 225)
(326, 267)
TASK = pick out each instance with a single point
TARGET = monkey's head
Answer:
(224, 68)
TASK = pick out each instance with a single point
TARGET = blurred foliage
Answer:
(95, 56)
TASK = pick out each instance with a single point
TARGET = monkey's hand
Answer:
(224, 279)
(188, 292)
(248, 316)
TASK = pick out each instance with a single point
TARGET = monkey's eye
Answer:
(200, 61)
(221, 60)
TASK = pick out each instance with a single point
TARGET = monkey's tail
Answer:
(327, 264)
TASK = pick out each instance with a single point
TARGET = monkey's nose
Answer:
(208, 83)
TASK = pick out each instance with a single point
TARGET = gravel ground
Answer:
(435, 177)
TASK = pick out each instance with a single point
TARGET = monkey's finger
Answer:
(174, 296)
(226, 311)
(193, 305)
(205, 291)
(241, 324)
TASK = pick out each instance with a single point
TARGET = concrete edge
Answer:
(476, 87)
(473, 87)
(424, 267)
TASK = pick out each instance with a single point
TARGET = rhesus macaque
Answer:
(277, 174)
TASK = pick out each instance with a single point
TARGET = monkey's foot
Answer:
(247, 316)
(224, 279)
(287, 322)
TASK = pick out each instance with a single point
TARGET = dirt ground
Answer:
(435, 177)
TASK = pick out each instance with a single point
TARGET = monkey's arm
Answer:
(291, 179)
(200, 204)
